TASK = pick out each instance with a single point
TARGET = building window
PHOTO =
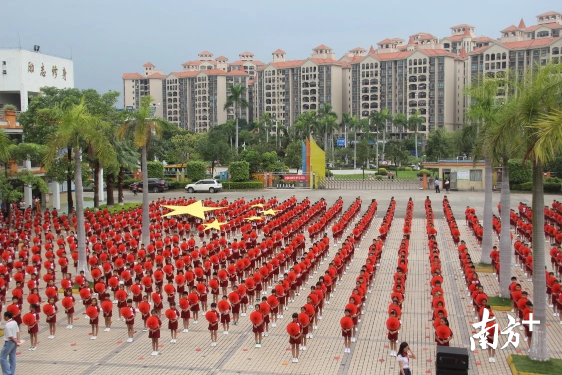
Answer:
(476, 175)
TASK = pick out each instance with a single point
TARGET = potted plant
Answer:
(9, 109)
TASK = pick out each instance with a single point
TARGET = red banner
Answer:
(295, 177)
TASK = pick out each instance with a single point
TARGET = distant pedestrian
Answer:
(135, 188)
(447, 185)
(436, 183)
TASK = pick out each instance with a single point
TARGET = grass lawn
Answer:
(499, 301)
(524, 364)
(483, 265)
(118, 207)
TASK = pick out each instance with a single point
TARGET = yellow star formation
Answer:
(260, 205)
(270, 212)
(252, 218)
(215, 224)
(195, 209)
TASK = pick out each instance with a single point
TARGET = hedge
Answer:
(519, 173)
(549, 187)
(382, 171)
(195, 170)
(155, 169)
(246, 185)
(173, 184)
(239, 171)
(422, 172)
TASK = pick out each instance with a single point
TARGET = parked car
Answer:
(89, 186)
(155, 185)
(210, 185)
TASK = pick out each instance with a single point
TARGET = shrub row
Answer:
(549, 187)
(246, 185)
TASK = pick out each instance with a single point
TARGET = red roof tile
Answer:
(184, 74)
(392, 55)
(132, 76)
(237, 72)
(551, 13)
(214, 72)
(322, 46)
(251, 81)
(329, 62)
(454, 38)
(522, 24)
(156, 76)
(530, 43)
(463, 55)
(288, 64)
(199, 62)
(358, 49)
(484, 39)
(371, 50)
(478, 50)
(437, 52)
(205, 53)
(386, 41)
(534, 27)
(510, 28)
(411, 41)
(221, 58)
(247, 53)
(258, 63)
(425, 36)
(467, 32)
(279, 51)
(461, 25)
(553, 25)
(149, 64)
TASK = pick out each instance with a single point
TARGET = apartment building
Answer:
(426, 74)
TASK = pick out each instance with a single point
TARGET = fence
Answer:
(330, 183)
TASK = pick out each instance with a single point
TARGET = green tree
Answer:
(196, 170)
(78, 127)
(253, 158)
(378, 121)
(415, 121)
(306, 123)
(400, 121)
(535, 116)
(239, 171)
(214, 148)
(266, 123)
(438, 145)
(141, 127)
(397, 153)
(293, 155)
(236, 98)
(268, 160)
(327, 119)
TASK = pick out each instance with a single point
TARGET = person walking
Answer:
(436, 183)
(447, 185)
(11, 342)
(135, 188)
(403, 358)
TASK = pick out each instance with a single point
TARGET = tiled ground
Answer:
(72, 352)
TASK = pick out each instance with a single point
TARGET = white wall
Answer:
(18, 78)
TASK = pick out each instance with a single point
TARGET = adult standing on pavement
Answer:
(403, 358)
(436, 183)
(11, 342)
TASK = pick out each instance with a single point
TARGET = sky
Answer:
(107, 38)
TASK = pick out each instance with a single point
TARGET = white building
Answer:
(23, 73)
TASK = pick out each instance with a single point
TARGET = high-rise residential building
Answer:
(426, 74)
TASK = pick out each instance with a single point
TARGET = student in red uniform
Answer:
(107, 315)
(33, 329)
(346, 333)
(185, 315)
(130, 321)
(95, 321)
(144, 316)
(258, 328)
(173, 323)
(214, 327)
(52, 319)
(295, 340)
(154, 334)
(225, 317)
(70, 311)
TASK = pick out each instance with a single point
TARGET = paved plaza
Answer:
(72, 351)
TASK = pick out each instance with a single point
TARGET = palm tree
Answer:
(78, 127)
(484, 110)
(379, 120)
(327, 120)
(357, 125)
(236, 98)
(400, 120)
(142, 127)
(346, 120)
(414, 123)
(535, 118)
(266, 121)
(306, 123)
(127, 158)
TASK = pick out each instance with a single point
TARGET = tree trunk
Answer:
(487, 241)
(325, 140)
(80, 228)
(96, 172)
(120, 185)
(236, 140)
(383, 140)
(145, 219)
(539, 348)
(355, 152)
(69, 182)
(416, 140)
(505, 235)
(110, 179)
(266, 134)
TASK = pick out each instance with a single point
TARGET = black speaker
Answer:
(439, 371)
(448, 357)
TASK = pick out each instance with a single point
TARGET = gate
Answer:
(453, 180)
(330, 183)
